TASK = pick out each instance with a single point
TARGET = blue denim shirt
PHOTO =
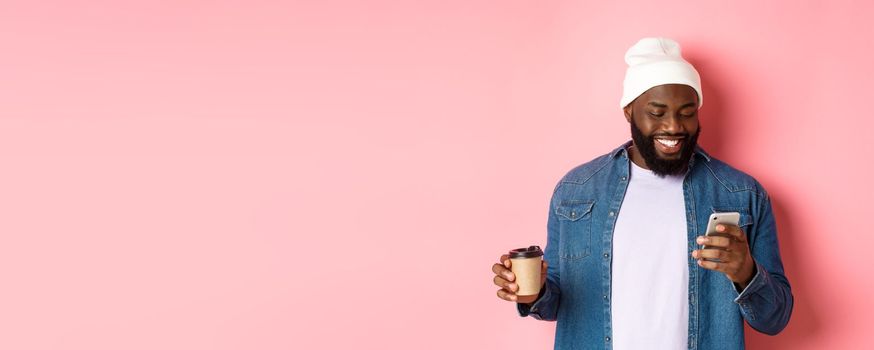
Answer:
(582, 216)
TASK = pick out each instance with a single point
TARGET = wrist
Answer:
(750, 272)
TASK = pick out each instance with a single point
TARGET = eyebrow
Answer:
(662, 105)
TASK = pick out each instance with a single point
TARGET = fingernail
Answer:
(720, 228)
(512, 287)
(513, 297)
(701, 240)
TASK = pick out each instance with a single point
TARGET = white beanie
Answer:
(653, 62)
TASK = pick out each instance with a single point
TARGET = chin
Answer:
(671, 157)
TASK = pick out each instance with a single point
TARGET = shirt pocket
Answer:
(575, 227)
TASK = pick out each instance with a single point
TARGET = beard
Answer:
(660, 166)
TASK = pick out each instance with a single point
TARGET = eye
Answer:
(688, 115)
(657, 115)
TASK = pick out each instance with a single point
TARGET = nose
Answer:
(673, 125)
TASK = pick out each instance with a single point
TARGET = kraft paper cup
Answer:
(525, 264)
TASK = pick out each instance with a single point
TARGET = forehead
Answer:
(670, 94)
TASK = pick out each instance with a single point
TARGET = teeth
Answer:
(669, 143)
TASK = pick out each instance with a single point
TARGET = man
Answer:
(625, 265)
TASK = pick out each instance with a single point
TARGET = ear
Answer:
(628, 112)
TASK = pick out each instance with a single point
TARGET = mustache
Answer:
(670, 135)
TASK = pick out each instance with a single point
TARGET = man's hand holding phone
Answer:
(731, 250)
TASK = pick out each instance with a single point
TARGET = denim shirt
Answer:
(582, 217)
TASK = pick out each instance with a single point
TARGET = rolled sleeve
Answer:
(756, 283)
(545, 308)
(766, 302)
(533, 308)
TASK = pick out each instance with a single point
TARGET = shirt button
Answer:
(611, 213)
(607, 338)
(573, 214)
(606, 255)
(605, 297)
(623, 178)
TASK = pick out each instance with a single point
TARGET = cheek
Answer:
(692, 126)
(646, 125)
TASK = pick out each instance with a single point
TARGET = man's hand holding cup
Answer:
(521, 274)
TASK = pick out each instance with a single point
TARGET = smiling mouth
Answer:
(669, 145)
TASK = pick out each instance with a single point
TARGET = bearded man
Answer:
(627, 264)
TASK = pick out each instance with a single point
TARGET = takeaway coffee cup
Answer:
(525, 264)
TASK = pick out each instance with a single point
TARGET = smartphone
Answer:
(727, 218)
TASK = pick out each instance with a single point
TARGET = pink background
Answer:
(342, 174)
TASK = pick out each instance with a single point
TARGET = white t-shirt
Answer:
(650, 295)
